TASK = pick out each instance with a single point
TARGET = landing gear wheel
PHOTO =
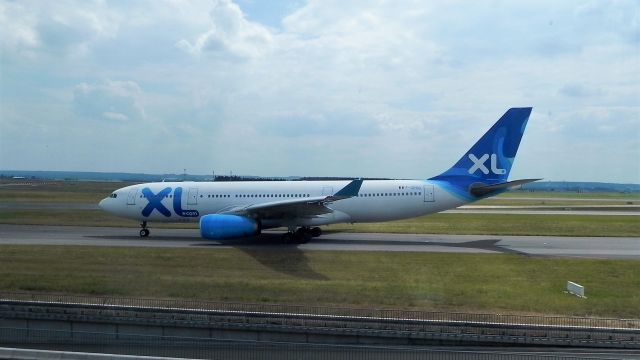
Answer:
(302, 236)
(315, 232)
(287, 238)
(144, 232)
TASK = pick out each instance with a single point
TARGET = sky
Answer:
(397, 89)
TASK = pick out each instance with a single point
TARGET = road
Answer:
(590, 247)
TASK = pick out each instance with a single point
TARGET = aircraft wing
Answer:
(310, 206)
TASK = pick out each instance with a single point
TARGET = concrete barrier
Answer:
(30, 354)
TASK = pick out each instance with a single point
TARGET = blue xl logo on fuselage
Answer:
(155, 203)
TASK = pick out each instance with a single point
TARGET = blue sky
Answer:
(359, 88)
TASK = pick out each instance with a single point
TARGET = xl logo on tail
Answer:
(478, 164)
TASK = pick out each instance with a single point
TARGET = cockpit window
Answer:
(113, 196)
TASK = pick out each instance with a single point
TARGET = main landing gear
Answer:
(144, 232)
(300, 236)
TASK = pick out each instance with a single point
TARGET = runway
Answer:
(589, 247)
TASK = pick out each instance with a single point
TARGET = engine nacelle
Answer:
(218, 227)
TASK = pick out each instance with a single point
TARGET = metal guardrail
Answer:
(337, 313)
(329, 323)
(199, 317)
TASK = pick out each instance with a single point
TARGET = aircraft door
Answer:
(192, 199)
(327, 191)
(428, 193)
(131, 197)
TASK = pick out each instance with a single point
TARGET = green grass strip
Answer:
(505, 224)
(481, 224)
(428, 281)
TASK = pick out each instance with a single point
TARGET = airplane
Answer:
(227, 210)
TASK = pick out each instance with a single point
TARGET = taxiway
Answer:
(591, 247)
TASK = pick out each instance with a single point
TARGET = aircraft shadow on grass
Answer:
(294, 262)
(267, 249)
(485, 244)
(290, 259)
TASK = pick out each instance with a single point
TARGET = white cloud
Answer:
(111, 100)
(33, 28)
(115, 116)
(365, 88)
(230, 33)
(17, 31)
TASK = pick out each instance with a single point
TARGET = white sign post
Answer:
(575, 289)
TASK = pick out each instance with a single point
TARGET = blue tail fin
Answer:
(489, 160)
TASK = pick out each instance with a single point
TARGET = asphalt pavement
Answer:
(590, 247)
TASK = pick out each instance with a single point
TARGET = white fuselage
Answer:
(377, 200)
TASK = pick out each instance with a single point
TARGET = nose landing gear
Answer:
(144, 232)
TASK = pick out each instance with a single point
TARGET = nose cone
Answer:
(103, 204)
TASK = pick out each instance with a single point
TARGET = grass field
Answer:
(460, 282)
(92, 192)
(505, 224)
(481, 224)
(506, 201)
(570, 194)
(282, 274)
(60, 192)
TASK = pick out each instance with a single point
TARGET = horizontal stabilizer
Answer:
(480, 189)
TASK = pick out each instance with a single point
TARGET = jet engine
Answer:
(218, 227)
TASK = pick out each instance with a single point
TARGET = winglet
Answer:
(348, 191)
